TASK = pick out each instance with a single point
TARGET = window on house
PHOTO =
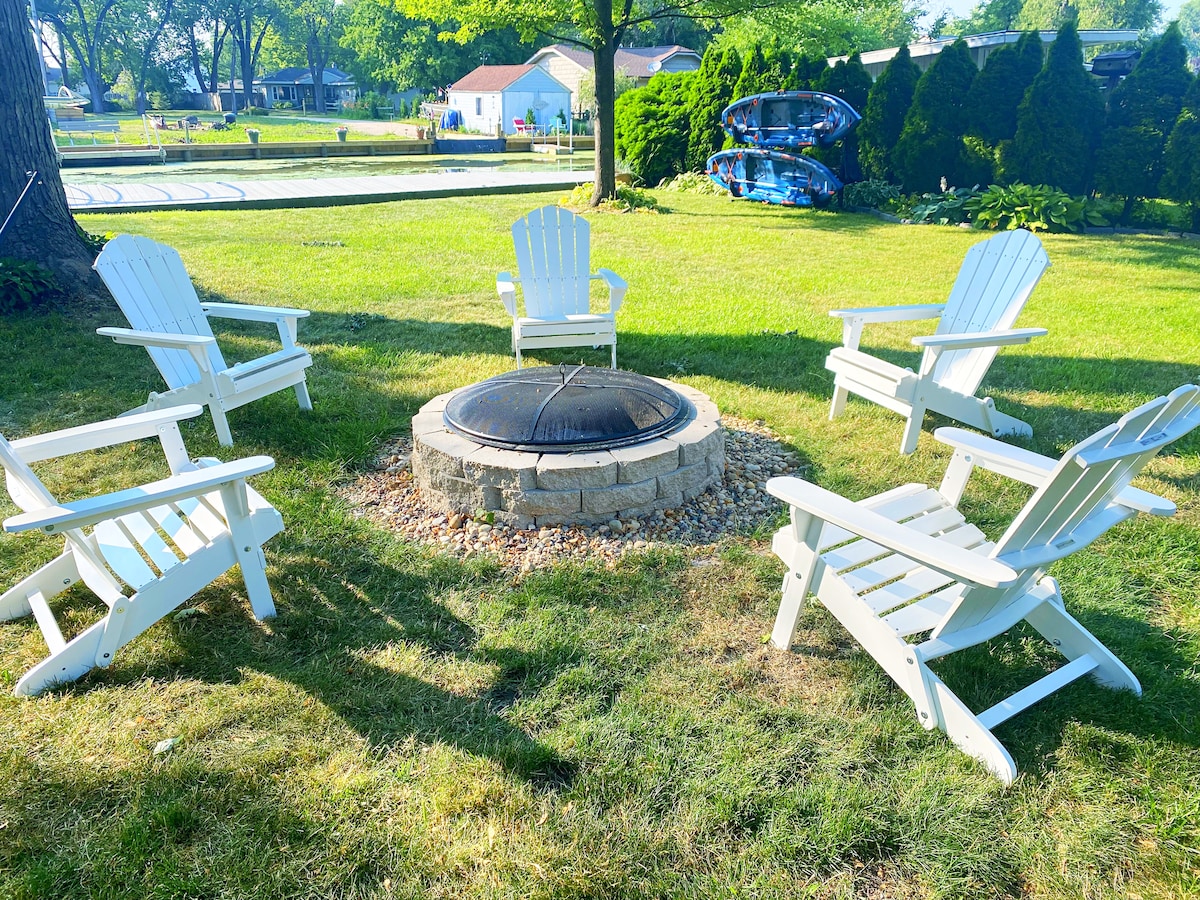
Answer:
(479, 106)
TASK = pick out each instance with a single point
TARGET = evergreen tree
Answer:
(711, 93)
(749, 81)
(651, 126)
(849, 80)
(1058, 122)
(883, 117)
(1000, 87)
(1142, 110)
(931, 143)
(806, 70)
(1181, 160)
(777, 67)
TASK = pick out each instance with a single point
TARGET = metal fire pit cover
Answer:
(563, 409)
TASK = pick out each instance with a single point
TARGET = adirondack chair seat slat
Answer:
(890, 585)
(152, 287)
(995, 280)
(553, 260)
(141, 557)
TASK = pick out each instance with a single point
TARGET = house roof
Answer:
(491, 78)
(634, 61)
(301, 75)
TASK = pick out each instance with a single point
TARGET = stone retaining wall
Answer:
(527, 489)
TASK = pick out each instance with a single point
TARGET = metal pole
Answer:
(12, 212)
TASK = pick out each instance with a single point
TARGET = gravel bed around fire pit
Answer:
(738, 504)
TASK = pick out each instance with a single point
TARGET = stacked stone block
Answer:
(528, 489)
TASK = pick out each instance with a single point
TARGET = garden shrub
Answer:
(651, 127)
(883, 119)
(931, 144)
(946, 208)
(628, 199)
(24, 285)
(875, 193)
(692, 183)
(1035, 207)
(712, 91)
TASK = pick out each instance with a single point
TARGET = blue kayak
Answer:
(789, 120)
(783, 178)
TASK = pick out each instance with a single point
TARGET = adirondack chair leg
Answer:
(50, 581)
(1072, 640)
(838, 406)
(74, 660)
(302, 396)
(969, 735)
(221, 424)
(912, 429)
(804, 574)
(249, 552)
(614, 354)
(1000, 424)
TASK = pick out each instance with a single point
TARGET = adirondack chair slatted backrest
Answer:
(152, 287)
(996, 278)
(127, 546)
(552, 246)
(1072, 508)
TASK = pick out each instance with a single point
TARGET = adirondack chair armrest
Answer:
(506, 287)
(193, 483)
(251, 313)
(996, 456)
(890, 313)
(941, 556)
(285, 318)
(1000, 338)
(195, 344)
(95, 435)
(616, 287)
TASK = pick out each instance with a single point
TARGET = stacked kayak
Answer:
(789, 120)
(771, 123)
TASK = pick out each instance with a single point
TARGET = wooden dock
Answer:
(295, 192)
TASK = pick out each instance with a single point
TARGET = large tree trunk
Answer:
(604, 57)
(42, 230)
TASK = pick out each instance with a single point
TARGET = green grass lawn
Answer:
(272, 128)
(415, 726)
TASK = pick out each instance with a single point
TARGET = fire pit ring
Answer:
(459, 468)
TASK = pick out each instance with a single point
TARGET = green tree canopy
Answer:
(883, 117)
(1053, 14)
(1189, 27)
(931, 143)
(825, 28)
(1058, 122)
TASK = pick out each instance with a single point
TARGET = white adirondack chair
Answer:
(906, 565)
(144, 550)
(154, 291)
(552, 247)
(995, 280)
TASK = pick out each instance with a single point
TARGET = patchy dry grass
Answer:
(414, 726)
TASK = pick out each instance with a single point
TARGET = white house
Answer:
(496, 95)
(570, 64)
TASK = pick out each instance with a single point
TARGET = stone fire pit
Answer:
(526, 488)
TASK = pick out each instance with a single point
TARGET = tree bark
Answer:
(41, 230)
(604, 57)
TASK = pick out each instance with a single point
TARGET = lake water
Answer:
(335, 167)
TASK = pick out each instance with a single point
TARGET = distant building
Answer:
(493, 96)
(295, 86)
(980, 46)
(570, 64)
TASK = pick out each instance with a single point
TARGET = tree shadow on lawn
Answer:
(350, 634)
